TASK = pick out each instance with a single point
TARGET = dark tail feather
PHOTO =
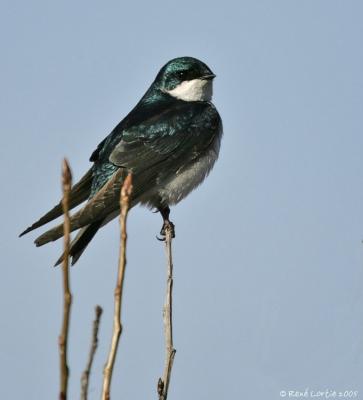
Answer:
(80, 192)
(81, 241)
(102, 206)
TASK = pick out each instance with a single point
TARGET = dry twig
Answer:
(94, 343)
(117, 327)
(67, 296)
(163, 383)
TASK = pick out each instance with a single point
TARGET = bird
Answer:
(169, 141)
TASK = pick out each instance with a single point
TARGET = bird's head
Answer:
(186, 78)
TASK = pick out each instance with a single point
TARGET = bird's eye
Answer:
(181, 74)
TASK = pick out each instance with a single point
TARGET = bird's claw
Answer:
(168, 225)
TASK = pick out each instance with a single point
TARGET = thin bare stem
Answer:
(163, 383)
(92, 351)
(117, 327)
(67, 296)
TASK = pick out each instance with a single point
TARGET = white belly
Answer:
(189, 178)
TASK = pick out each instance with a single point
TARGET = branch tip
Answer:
(92, 351)
(66, 174)
(126, 190)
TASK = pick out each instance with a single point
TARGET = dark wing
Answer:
(155, 147)
(160, 146)
(79, 193)
(181, 133)
(104, 203)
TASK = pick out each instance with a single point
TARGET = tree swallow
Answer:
(169, 141)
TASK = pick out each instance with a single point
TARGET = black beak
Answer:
(208, 77)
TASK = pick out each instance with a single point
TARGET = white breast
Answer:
(187, 179)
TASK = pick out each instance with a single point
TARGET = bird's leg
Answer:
(165, 212)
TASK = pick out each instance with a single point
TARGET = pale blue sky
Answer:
(268, 255)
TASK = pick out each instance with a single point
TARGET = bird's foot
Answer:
(167, 226)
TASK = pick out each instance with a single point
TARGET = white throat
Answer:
(194, 90)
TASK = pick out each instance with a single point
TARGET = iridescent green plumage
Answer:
(164, 141)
